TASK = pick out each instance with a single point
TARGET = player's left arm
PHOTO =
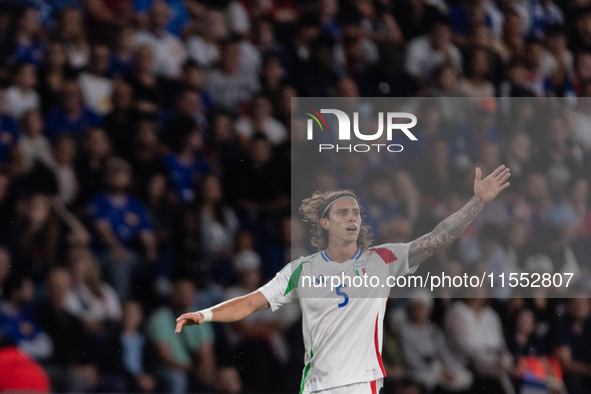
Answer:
(451, 228)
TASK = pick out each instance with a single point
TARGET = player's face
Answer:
(344, 221)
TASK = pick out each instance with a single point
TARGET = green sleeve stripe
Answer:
(294, 278)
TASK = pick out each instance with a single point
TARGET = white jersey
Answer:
(342, 334)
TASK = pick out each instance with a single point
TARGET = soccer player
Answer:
(342, 334)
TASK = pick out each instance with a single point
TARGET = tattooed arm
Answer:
(451, 228)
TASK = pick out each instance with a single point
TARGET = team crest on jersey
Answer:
(359, 268)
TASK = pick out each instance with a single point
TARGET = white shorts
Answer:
(355, 388)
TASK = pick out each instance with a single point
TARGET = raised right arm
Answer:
(226, 312)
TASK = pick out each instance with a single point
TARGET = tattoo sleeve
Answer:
(444, 234)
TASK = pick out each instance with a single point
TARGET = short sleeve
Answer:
(282, 289)
(396, 257)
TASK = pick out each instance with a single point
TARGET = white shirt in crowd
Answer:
(169, 52)
(549, 64)
(274, 130)
(19, 102)
(473, 337)
(203, 52)
(229, 91)
(67, 183)
(97, 92)
(35, 149)
(422, 59)
(87, 306)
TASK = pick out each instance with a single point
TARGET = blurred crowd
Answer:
(145, 172)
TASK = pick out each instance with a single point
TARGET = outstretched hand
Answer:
(188, 319)
(488, 188)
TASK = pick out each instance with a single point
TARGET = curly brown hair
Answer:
(312, 209)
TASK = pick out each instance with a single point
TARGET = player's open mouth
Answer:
(352, 228)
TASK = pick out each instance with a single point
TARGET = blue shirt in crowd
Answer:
(183, 176)
(58, 122)
(179, 16)
(33, 53)
(9, 137)
(127, 220)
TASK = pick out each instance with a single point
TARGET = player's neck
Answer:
(341, 252)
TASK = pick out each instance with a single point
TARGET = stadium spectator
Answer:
(188, 103)
(18, 321)
(478, 73)
(475, 334)
(261, 331)
(35, 147)
(227, 380)
(71, 366)
(120, 122)
(71, 33)
(204, 47)
(72, 115)
(318, 76)
(581, 40)
(37, 237)
(169, 52)
(426, 352)
(513, 37)
(148, 86)
(533, 366)
(119, 219)
(218, 221)
(96, 87)
(380, 204)
(224, 147)
(522, 341)
(255, 182)
(430, 51)
(145, 153)
(28, 46)
(186, 360)
(130, 354)
(90, 166)
(90, 299)
(22, 97)
(571, 335)
(9, 128)
(52, 74)
(179, 20)
(63, 166)
(228, 85)
(261, 121)
(121, 60)
(185, 163)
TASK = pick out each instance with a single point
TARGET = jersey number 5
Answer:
(342, 294)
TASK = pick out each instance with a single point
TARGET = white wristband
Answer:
(207, 314)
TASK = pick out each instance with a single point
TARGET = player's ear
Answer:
(324, 222)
